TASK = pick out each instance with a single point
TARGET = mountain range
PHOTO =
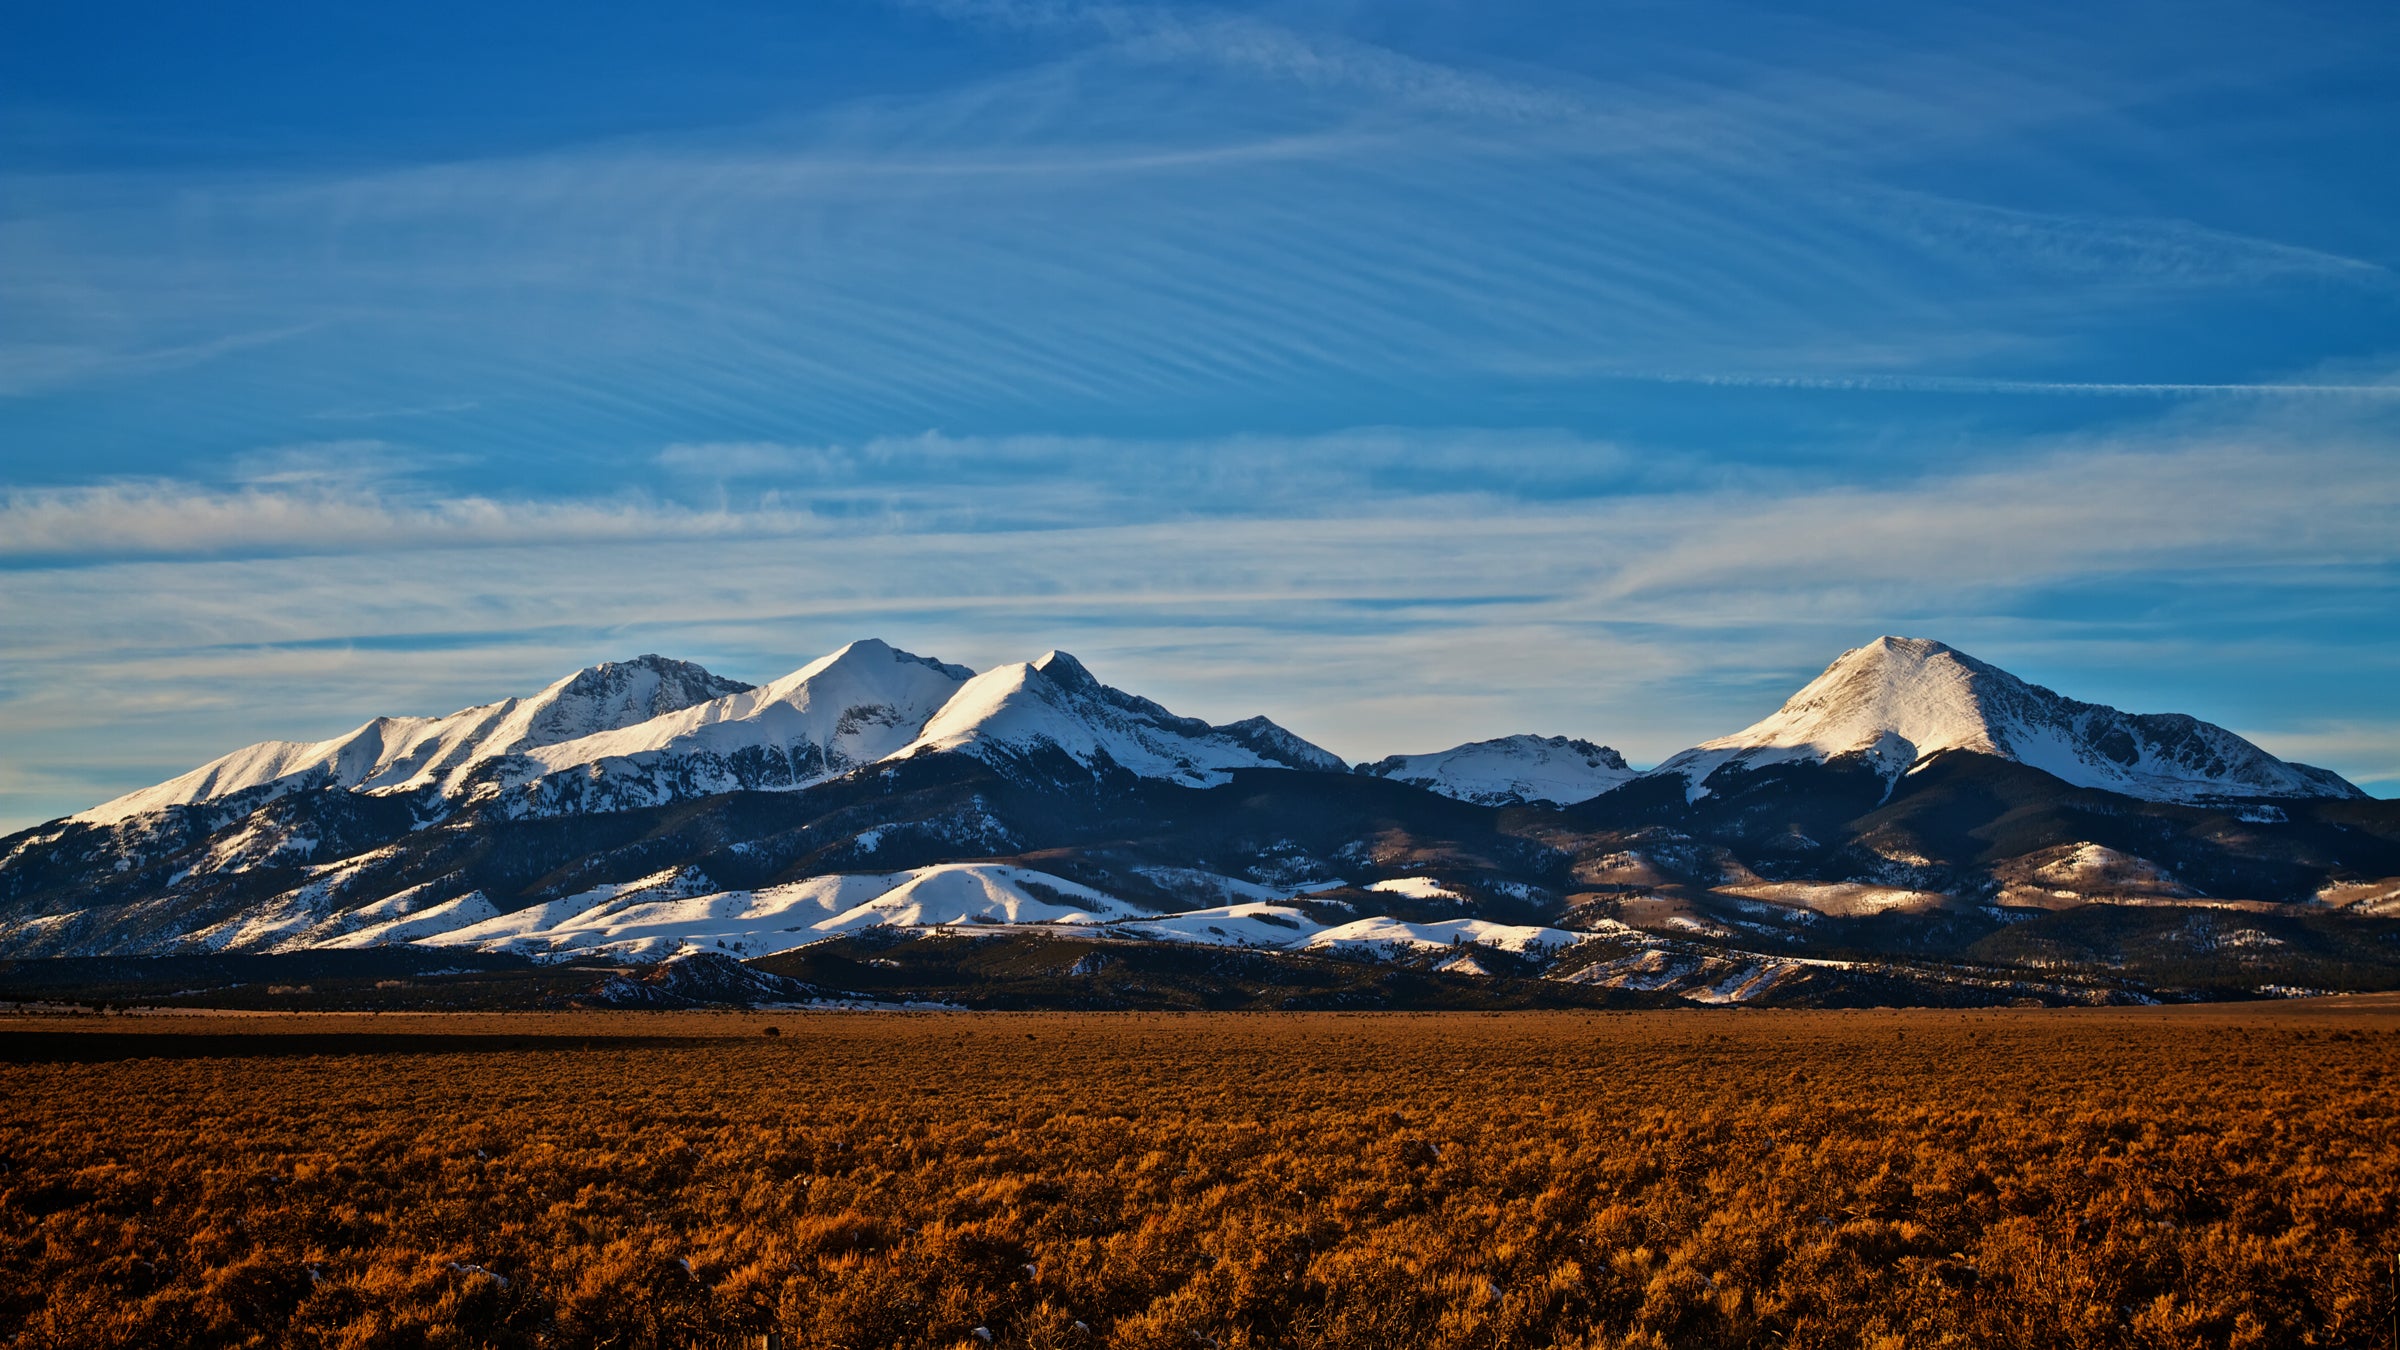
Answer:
(1914, 825)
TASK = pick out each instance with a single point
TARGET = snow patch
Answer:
(1417, 888)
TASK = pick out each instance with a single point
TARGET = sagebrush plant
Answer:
(2159, 1178)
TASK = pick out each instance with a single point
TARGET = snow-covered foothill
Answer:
(1192, 883)
(308, 915)
(473, 907)
(650, 921)
(1838, 899)
(1699, 975)
(650, 924)
(980, 893)
(1254, 924)
(1897, 701)
(672, 913)
(1511, 771)
(2377, 896)
(2072, 875)
(293, 919)
(1377, 935)
(2089, 866)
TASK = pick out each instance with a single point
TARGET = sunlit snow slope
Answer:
(1898, 700)
(399, 754)
(671, 913)
(659, 917)
(651, 731)
(828, 717)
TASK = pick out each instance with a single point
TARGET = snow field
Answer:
(1256, 924)
(1369, 936)
(673, 913)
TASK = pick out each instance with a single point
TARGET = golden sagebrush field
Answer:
(2186, 1177)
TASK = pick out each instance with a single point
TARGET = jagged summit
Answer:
(851, 707)
(619, 693)
(399, 754)
(1511, 770)
(651, 730)
(1054, 704)
(1271, 742)
(1064, 670)
(1897, 700)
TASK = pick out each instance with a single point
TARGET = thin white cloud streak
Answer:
(2144, 249)
(1254, 46)
(171, 518)
(1808, 93)
(440, 409)
(2071, 517)
(2088, 510)
(365, 496)
(2371, 749)
(30, 367)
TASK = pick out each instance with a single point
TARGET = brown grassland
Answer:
(2169, 1177)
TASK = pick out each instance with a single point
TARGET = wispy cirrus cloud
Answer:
(170, 518)
(1300, 217)
(30, 366)
(1646, 524)
(1256, 46)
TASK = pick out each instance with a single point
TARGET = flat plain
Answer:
(2222, 1175)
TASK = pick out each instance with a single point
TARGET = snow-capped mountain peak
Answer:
(1053, 704)
(1271, 742)
(1065, 671)
(1511, 771)
(845, 709)
(1898, 700)
(400, 754)
(613, 694)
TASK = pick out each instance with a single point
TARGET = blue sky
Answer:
(1410, 373)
